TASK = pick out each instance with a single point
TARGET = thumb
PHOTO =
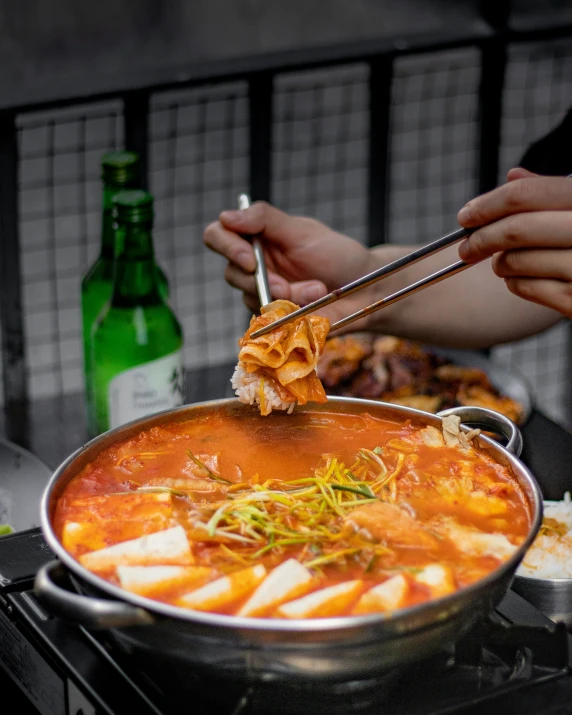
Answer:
(300, 292)
(262, 218)
(304, 292)
(520, 173)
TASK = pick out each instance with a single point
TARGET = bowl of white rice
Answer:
(544, 577)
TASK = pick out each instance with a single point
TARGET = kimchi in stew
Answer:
(314, 514)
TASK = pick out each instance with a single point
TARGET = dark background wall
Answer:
(58, 48)
(54, 48)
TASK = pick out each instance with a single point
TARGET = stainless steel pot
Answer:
(335, 649)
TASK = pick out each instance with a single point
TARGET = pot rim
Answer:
(308, 625)
(545, 580)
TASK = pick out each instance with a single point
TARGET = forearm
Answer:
(473, 309)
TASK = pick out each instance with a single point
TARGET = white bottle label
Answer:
(145, 389)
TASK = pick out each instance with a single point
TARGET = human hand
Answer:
(305, 259)
(527, 228)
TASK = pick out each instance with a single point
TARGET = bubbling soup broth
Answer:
(310, 515)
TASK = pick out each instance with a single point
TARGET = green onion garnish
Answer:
(364, 490)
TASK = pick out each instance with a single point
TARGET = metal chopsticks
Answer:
(368, 280)
(260, 275)
(436, 277)
(377, 275)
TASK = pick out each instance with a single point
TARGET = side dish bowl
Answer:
(331, 649)
(547, 582)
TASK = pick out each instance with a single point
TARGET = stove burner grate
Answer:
(495, 659)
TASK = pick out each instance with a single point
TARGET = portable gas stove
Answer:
(518, 662)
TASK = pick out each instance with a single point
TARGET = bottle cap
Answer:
(134, 206)
(120, 168)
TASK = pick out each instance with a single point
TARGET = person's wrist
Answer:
(364, 262)
(360, 263)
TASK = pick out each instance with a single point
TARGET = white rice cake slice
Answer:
(152, 580)
(325, 603)
(387, 596)
(479, 543)
(224, 591)
(439, 579)
(286, 582)
(168, 547)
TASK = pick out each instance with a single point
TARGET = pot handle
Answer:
(92, 613)
(490, 420)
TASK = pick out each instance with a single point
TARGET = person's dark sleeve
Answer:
(552, 154)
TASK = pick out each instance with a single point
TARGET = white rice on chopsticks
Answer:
(550, 555)
(252, 388)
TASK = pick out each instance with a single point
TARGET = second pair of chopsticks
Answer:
(372, 278)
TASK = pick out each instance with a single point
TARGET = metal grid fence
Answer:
(320, 147)
(198, 162)
(60, 216)
(433, 145)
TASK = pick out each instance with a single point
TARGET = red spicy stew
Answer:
(313, 514)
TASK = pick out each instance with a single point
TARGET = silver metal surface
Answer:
(374, 276)
(552, 596)
(339, 649)
(436, 277)
(23, 479)
(260, 274)
(479, 416)
(91, 613)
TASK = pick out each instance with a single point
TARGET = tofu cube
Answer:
(325, 603)
(224, 591)
(439, 579)
(284, 583)
(152, 581)
(387, 596)
(168, 547)
(480, 543)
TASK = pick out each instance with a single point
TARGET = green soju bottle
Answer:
(120, 170)
(137, 340)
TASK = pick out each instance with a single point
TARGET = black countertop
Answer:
(548, 454)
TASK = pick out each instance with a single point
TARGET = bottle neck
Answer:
(107, 229)
(135, 279)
